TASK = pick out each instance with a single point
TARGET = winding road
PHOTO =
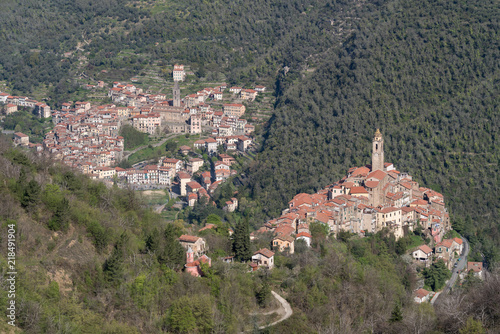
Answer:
(285, 310)
(454, 276)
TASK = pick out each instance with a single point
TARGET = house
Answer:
(460, 244)
(248, 94)
(173, 163)
(211, 145)
(21, 139)
(194, 165)
(260, 89)
(235, 90)
(184, 149)
(183, 179)
(231, 205)
(178, 73)
(197, 244)
(243, 143)
(284, 243)
(423, 254)
(476, 267)
(194, 267)
(306, 237)
(10, 108)
(234, 109)
(263, 258)
(421, 295)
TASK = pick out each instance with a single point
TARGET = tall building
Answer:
(177, 94)
(378, 152)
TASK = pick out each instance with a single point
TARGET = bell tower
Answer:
(177, 94)
(378, 152)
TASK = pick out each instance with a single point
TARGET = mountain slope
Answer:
(427, 74)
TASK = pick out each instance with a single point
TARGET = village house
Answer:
(178, 73)
(234, 109)
(421, 296)
(477, 269)
(306, 237)
(231, 205)
(194, 267)
(284, 243)
(194, 165)
(197, 244)
(264, 258)
(20, 139)
(10, 108)
(423, 254)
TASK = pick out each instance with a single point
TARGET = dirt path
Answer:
(285, 310)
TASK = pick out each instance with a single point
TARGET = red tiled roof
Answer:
(264, 251)
(303, 234)
(371, 184)
(475, 266)
(188, 238)
(421, 293)
(378, 174)
(426, 249)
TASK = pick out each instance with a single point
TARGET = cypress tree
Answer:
(241, 242)
(173, 253)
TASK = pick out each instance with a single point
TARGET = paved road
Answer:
(461, 265)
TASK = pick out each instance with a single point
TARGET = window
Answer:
(376, 146)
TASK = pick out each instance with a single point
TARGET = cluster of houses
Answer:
(186, 115)
(205, 184)
(476, 268)
(85, 136)
(447, 250)
(196, 248)
(12, 103)
(366, 200)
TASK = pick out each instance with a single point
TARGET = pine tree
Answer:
(241, 242)
(173, 253)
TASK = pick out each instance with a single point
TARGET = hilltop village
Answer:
(367, 200)
(86, 136)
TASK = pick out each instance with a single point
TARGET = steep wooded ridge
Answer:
(245, 40)
(92, 259)
(427, 74)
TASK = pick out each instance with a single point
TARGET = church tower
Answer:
(378, 152)
(177, 94)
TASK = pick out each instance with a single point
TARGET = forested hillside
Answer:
(92, 259)
(247, 41)
(35, 35)
(427, 74)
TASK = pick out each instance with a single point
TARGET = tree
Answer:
(263, 295)
(173, 254)
(436, 275)
(472, 327)
(241, 242)
(31, 195)
(113, 267)
(397, 314)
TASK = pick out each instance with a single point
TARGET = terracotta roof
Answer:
(371, 184)
(378, 174)
(303, 234)
(458, 240)
(266, 252)
(183, 175)
(426, 249)
(188, 238)
(421, 293)
(475, 266)
(358, 190)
